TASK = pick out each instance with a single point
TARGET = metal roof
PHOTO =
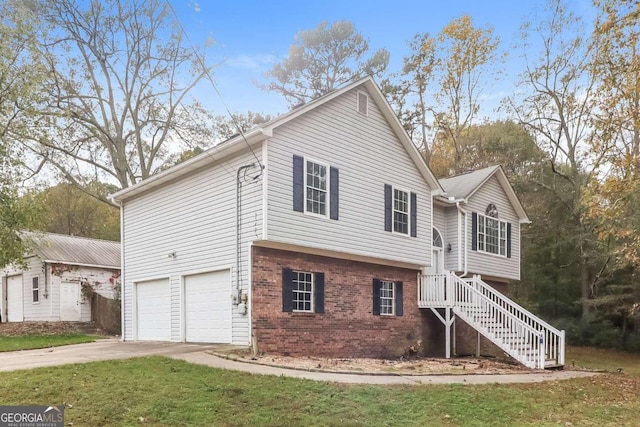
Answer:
(463, 185)
(60, 248)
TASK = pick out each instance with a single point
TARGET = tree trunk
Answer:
(635, 282)
(585, 286)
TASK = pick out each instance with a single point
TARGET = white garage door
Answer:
(208, 307)
(153, 310)
(14, 299)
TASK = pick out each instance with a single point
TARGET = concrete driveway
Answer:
(111, 349)
(105, 349)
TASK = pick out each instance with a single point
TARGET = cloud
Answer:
(251, 62)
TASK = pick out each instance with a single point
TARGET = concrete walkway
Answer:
(111, 349)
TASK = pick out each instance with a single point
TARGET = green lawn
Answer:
(27, 342)
(164, 392)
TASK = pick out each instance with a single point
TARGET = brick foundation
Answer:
(348, 327)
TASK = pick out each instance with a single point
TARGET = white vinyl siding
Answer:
(368, 155)
(195, 218)
(103, 281)
(488, 264)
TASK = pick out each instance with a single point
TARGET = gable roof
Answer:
(239, 142)
(465, 185)
(72, 250)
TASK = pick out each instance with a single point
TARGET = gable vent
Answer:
(363, 103)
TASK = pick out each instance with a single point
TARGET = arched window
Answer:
(437, 239)
(492, 210)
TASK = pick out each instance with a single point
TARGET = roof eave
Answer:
(508, 189)
(80, 264)
(213, 154)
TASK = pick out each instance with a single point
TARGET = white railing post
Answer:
(561, 349)
(541, 351)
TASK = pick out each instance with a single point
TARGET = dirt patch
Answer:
(15, 329)
(412, 366)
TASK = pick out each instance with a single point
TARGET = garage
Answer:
(207, 307)
(153, 310)
(15, 306)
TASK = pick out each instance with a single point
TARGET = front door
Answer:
(70, 302)
(438, 261)
(15, 299)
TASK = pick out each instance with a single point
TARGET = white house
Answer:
(324, 232)
(49, 284)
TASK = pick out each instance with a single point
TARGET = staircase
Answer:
(519, 333)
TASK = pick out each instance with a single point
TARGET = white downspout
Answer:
(122, 328)
(466, 238)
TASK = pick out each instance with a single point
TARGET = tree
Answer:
(19, 77)
(228, 126)
(446, 76)
(118, 79)
(65, 209)
(323, 59)
(419, 67)
(556, 108)
(504, 143)
(613, 198)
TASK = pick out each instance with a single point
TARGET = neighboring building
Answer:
(320, 232)
(57, 275)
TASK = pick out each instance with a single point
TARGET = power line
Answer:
(213, 84)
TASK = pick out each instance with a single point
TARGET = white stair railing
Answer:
(519, 333)
(431, 290)
(554, 339)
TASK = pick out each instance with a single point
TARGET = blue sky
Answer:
(250, 36)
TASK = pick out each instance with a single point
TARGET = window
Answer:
(302, 291)
(316, 188)
(436, 238)
(363, 103)
(400, 211)
(35, 286)
(387, 297)
(492, 235)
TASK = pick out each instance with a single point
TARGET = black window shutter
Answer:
(414, 215)
(399, 299)
(298, 183)
(287, 290)
(376, 296)
(388, 203)
(474, 231)
(334, 183)
(508, 240)
(318, 293)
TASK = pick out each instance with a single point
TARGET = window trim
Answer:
(393, 211)
(35, 289)
(392, 297)
(482, 242)
(327, 189)
(312, 292)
